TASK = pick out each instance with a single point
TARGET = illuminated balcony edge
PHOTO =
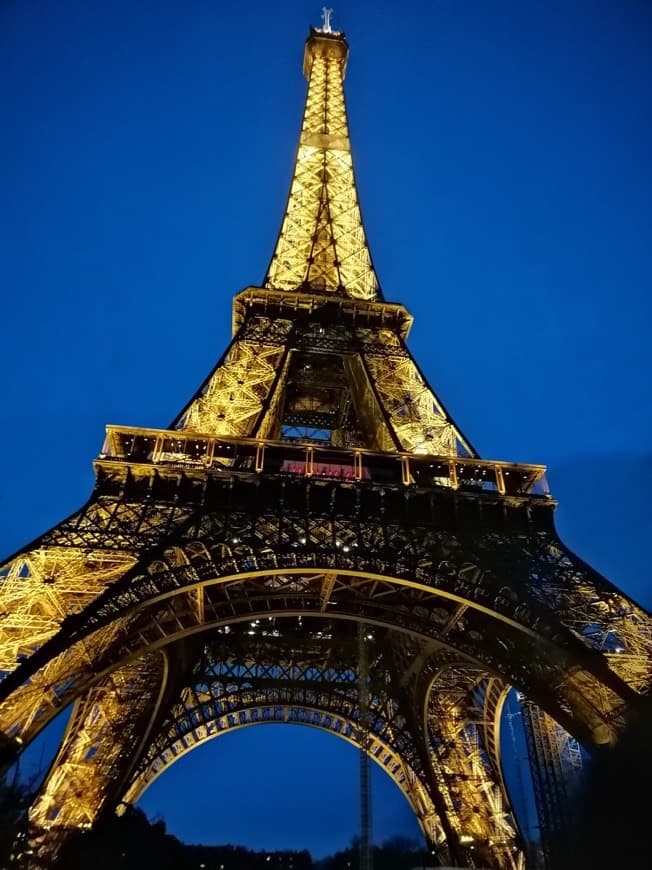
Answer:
(179, 450)
(390, 314)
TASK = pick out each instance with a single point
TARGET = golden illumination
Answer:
(314, 474)
(322, 244)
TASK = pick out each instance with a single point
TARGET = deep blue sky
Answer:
(503, 160)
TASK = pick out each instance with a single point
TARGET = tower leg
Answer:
(106, 733)
(477, 803)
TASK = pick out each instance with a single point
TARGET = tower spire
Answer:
(322, 244)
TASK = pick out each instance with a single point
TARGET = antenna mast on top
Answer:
(326, 16)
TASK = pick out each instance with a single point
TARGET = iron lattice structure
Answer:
(218, 573)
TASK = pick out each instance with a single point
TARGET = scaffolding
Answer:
(366, 856)
(557, 764)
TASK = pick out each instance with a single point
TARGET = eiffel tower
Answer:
(221, 570)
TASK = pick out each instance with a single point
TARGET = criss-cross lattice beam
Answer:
(416, 415)
(41, 587)
(232, 398)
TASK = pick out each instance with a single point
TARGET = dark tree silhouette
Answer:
(131, 842)
(613, 809)
(397, 853)
(15, 798)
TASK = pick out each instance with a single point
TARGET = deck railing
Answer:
(167, 447)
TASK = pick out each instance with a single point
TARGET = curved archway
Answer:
(264, 680)
(206, 586)
(281, 786)
(186, 603)
(402, 775)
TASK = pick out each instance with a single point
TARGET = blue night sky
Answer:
(503, 161)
